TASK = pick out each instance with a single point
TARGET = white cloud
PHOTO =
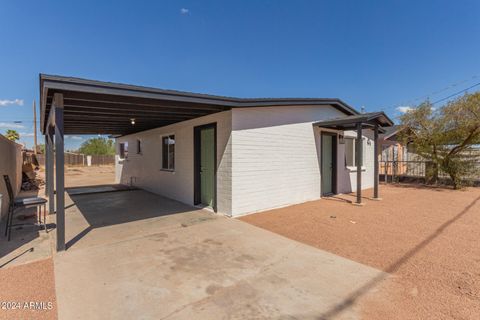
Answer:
(404, 109)
(4, 103)
(26, 134)
(7, 125)
(184, 11)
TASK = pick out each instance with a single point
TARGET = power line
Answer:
(439, 91)
(456, 93)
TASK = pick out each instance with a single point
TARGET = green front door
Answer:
(207, 166)
(327, 173)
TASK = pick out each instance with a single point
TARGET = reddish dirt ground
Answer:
(26, 283)
(428, 239)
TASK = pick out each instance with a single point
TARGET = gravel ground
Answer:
(428, 239)
(27, 283)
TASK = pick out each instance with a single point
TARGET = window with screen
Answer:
(350, 158)
(168, 152)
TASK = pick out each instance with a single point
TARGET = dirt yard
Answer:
(89, 176)
(25, 275)
(428, 239)
(25, 284)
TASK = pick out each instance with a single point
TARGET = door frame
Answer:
(334, 160)
(197, 199)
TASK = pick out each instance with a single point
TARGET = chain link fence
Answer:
(401, 171)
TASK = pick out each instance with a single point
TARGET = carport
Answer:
(79, 106)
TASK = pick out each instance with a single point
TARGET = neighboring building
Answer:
(393, 150)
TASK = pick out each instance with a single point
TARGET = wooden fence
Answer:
(80, 160)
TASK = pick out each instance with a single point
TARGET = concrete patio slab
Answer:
(194, 265)
(104, 218)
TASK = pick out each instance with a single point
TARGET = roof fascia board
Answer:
(227, 102)
(127, 92)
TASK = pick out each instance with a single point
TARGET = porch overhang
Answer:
(366, 120)
(375, 121)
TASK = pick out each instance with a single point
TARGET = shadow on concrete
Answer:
(21, 235)
(350, 300)
(123, 206)
(16, 257)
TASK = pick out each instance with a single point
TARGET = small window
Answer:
(168, 152)
(350, 157)
(123, 150)
(139, 146)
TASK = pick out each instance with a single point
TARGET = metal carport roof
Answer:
(97, 107)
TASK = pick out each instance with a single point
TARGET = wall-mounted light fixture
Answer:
(132, 121)
(341, 139)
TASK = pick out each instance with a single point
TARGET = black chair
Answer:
(28, 202)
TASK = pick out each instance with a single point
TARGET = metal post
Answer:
(359, 157)
(49, 166)
(34, 128)
(45, 157)
(376, 164)
(59, 164)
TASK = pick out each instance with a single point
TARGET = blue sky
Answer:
(378, 54)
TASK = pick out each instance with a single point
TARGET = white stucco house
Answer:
(261, 157)
(233, 155)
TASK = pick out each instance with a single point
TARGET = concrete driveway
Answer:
(192, 264)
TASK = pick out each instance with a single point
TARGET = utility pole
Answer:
(34, 128)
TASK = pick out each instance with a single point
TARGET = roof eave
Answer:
(61, 83)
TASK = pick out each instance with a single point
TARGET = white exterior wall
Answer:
(267, 157)
(144, 170)
(347, 177)
(276, 157)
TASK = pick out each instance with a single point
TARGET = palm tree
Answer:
(12, 135)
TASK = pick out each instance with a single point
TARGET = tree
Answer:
(445, 137)
(12, 135)
(97, 146)
(41, 148)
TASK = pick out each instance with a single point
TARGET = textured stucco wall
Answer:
(11, 165)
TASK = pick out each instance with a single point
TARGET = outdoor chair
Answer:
(25, 202)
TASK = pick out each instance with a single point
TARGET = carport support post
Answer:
(49, 160)
(59, 174)
(376, 164)
(47, 178)
(359, 157)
